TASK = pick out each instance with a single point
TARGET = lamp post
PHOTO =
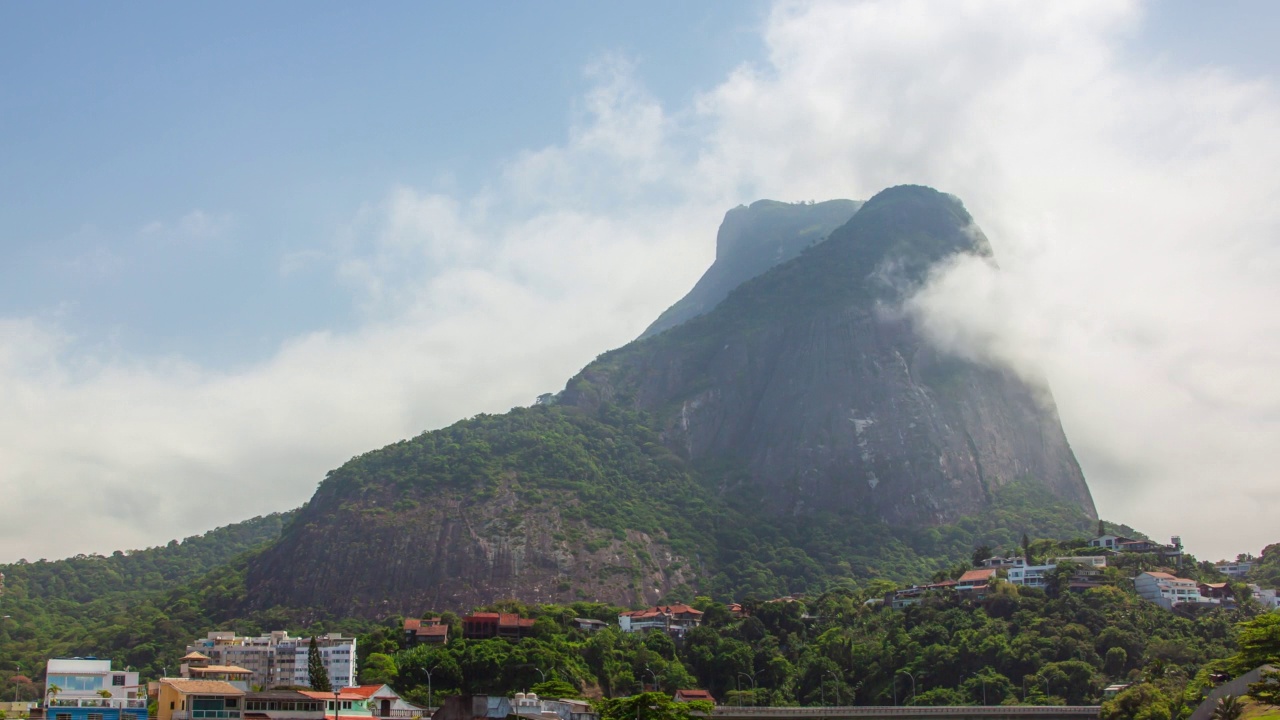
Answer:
(18, 667)
(913, 686)
(541, 674)
(337, 706)
(752, 677)
(428, 671)
(652, 674)
(837, 679)
(1048, 687)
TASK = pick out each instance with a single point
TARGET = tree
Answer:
(379, 669)
(980, 553)
(555, 688)
(1259, 643)
(1267, 689)
(1140, 702)
(317, 674)
(1229, 707)
(1026, 549)
(653, 706)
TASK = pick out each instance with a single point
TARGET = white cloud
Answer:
(1129, 206)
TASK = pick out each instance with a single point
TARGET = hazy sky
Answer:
(240, 243)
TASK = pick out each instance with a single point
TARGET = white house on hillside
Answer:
(1166, 590)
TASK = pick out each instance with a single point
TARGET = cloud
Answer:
(1129, 206)
(469, 305)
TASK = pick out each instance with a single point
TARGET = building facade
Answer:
(1167, 590)
(88, 689)
(277, 659)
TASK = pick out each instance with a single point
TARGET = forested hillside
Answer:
(134, 607)
(837, 647)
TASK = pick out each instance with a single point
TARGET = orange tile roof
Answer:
(187, 686)
(364, 691)
(977, 575)
(343, 694)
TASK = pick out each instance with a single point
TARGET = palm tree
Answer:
(1228, 708)
(52, 692)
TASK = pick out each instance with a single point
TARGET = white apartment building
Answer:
(277, 659)
(1265, 598)
(1037, 575)
(1030, 575)
(1166, 590)
(1234, 569)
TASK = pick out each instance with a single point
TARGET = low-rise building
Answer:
(431, 631)
(1217, 592)
(1265, 597)
(975, 583)
(589, 624)
(1237, 569)
(675, 619)
(693, 695)
(906, 597)
(189, 699)
(480, 626)
(282, 705)
(1167, 590)
(88, 689)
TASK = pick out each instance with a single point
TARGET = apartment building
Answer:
(277, 659)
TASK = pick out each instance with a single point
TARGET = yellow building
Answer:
(187, 699)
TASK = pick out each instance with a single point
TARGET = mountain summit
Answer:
(772, 436)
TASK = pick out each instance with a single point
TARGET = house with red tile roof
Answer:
(675, 619)
(976, 583)
(692, 695)
(479, 626)
(427, 630)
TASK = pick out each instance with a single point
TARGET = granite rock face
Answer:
(801, 392)
(812, 379)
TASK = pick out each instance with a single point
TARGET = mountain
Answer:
(751, 240)
(796, 433)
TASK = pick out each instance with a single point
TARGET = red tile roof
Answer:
(978, 575)
(364, 691)
(694, 695)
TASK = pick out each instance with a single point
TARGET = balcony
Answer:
(206, 715)
(99, 702)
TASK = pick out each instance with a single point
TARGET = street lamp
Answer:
(983, 680)
(656, 687)
(428, 671)
(337, 706)
(752, 677)
(837, 679)
(895, 686)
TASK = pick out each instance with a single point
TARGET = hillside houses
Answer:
(672, 619)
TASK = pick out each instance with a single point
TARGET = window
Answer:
(62, 716)
(95, 716)
(128, 716)
(233, 702)
(170, 704)
(117, 680)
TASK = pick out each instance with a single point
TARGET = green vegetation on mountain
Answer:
(135, 607)
(836, 648)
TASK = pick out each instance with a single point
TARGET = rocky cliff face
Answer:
(795, 429)
(751, 240)
(811, 379)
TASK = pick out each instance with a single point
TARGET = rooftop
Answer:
(187, 686)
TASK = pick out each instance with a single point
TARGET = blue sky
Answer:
(241, 243)
(277, 122)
